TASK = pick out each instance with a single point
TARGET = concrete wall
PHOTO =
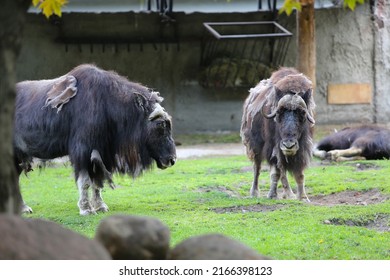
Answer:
(349, 50)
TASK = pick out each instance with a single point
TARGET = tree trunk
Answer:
(12, 18)
(307, 40)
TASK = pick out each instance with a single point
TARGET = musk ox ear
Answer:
(62, 91)
(140, 100)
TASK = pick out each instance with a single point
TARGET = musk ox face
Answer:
(290, 127)
(290, 117)
(160, 143)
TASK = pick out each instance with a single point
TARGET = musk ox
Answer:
(355, 143)
(104, 122)
(277, 126)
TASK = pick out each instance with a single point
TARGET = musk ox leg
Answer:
(254, 192)
(287, 191)
(83, 184)
(351, 152)
(340, 159)
(100, 170)
(97, 200)
(275, 176)
(319, 153)
(300, 179)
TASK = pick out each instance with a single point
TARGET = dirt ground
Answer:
(210, 149)
(380, 222)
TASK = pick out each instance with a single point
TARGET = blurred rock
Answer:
(35, 239)
(134, 238)
(213, 247)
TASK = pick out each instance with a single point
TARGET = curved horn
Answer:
(293, 102)
(267, 116)
(310, 118)
(300, 102)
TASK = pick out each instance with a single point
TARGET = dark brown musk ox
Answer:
(103, 121)
(359, 142)
(277, 126)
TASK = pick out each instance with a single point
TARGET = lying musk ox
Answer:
(277, 126)
(355, 143)
(104, 122)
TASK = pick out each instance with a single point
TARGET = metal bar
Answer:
(282, 28)
(216, 34)
(269, 35)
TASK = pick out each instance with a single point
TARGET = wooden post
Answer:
(307, 40)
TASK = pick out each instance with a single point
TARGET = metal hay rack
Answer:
(240, 54)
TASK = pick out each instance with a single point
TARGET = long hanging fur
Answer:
(105, 112)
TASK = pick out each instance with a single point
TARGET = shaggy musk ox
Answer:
(355, 143)
(104, 122)
(277, 126)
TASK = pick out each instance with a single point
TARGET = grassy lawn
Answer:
(210, 195)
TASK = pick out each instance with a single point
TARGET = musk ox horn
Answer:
(291, 102)
(270, 115)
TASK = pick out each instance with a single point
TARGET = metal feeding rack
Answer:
(240, 54)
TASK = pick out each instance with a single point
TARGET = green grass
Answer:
(184, 198)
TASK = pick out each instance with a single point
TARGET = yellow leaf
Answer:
(50, 7)
(289, 6)
(36, 2)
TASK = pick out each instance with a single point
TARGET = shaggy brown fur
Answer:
(276, 126)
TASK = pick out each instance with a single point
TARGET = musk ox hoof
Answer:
(272, 195)
(87, 212)
(289, 195)
(26, 209)
(333, 155)
(254, 192)
(102, 208)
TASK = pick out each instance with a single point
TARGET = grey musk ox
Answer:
(104, 122)
(355, 143)
(277, 126)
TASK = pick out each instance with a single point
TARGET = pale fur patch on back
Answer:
(61, 92)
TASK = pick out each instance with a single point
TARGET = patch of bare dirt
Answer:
(379, 222)
(362, 166)
(373, 196)
(223, 189)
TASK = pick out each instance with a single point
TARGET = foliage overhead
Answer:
(50, 7)
(351, 4)
(290, 5)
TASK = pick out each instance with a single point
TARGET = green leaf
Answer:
(351, 4)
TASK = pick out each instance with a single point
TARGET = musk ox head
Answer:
(291, 116)
(160, 143)
(292, 84)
